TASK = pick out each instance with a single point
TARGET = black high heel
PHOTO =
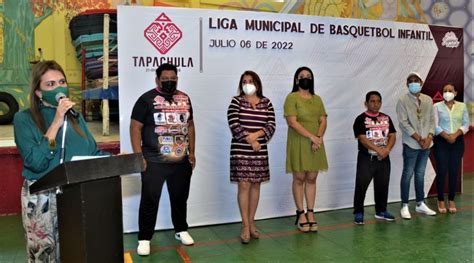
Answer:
(303, 227)
(313, 226)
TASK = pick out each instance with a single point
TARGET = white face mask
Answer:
(249, 89)
(448, 96)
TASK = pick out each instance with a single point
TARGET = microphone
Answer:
(60, 96)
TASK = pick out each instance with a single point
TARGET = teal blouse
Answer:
(38, 159)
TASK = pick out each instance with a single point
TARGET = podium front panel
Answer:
(90, 222)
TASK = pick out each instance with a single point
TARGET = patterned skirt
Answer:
(249, 169)
(40, 221)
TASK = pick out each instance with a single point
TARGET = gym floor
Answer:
(440, 238)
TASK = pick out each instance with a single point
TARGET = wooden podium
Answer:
(90, 206)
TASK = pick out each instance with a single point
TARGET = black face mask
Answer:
(305, 84)
(168, 86)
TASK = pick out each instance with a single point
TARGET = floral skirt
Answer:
(40, 221)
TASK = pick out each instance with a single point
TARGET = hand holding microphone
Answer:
(61, 96)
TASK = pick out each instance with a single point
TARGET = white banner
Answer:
(213, 48)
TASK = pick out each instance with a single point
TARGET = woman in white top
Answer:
(451, 124)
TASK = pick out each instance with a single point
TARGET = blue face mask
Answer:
(414, 87)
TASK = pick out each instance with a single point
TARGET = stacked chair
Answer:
(87, 32)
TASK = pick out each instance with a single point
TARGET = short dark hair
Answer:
(166, 66)
(450, 84)
(370, 93)
(256, 81)
(295, 86)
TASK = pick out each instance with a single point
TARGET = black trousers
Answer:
(178, 181)
(448, 161)
(367, 168)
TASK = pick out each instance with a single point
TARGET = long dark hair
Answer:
(256, 81)
(37, 73)
(295, 86)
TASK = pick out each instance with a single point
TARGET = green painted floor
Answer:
(442, 238)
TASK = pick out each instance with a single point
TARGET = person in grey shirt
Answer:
(417, 124)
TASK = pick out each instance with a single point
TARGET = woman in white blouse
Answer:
(451, 125)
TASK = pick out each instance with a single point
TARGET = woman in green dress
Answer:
(305, 155)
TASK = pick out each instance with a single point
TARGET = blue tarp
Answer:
(99, 93)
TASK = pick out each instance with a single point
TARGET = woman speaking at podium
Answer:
(39, 131)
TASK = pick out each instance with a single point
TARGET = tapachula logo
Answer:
(163, 34)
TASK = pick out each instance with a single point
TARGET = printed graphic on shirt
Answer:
(159, 118)
(158, 100)
(165, 140)
(183, 118)
(179, 140)
(171, 126)
(174, 129)
(179, 151)
(184, 130)
(165, 149)
(160, 130)
(377, 130)
(170, 118)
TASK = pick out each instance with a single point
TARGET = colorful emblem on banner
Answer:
(438, 97)
(450, 40)
(163, 34)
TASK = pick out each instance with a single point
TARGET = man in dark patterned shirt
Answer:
(376, 136)
(162, 128)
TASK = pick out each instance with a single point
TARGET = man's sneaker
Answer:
(184, 237)
(143, 248)
(359, 218)
(405, 213)
(424, 209)
(385, 216)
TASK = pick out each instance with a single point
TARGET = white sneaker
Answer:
(405, 213)
(424, 209)
(184, 237)
(143, 248)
